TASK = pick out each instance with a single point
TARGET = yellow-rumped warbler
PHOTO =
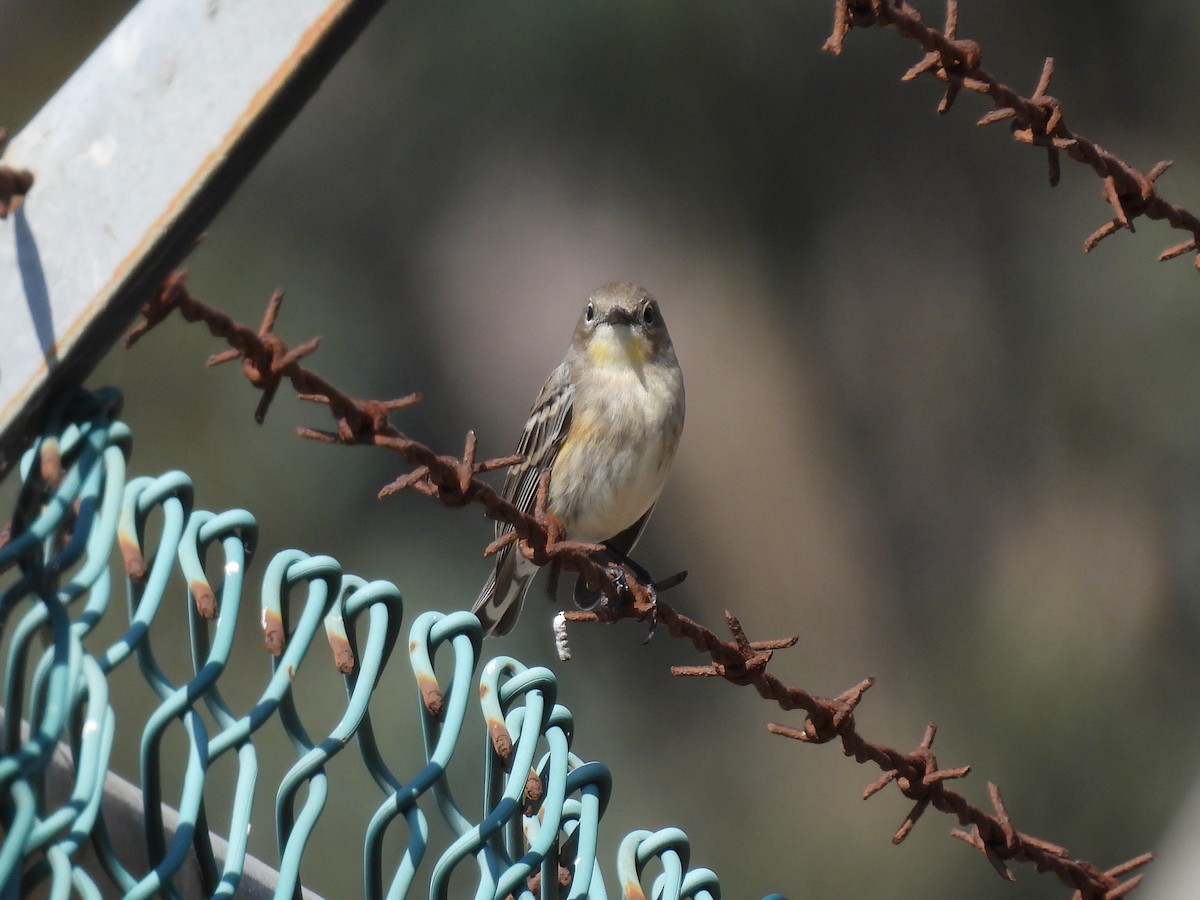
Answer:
(606, 425)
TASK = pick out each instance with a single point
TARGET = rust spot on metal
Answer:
(501, 740)
(205, 599)
(273, 635)
(431, 696)
(50, 464)
(135, 563)
(534, 793)
(343, 655)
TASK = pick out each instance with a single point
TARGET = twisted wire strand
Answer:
(1036, 121)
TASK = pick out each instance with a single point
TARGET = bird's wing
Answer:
(545, 429)
(499, 603)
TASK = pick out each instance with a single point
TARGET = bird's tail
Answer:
(499, 603)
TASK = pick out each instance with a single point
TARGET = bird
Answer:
(606, 426)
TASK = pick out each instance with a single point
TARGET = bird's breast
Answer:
(625, 426)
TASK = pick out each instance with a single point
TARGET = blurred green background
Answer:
(925, 432)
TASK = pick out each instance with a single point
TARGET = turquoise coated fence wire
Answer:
(76, 512)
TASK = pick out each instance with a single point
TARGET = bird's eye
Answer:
(590, 313)
(649, 315)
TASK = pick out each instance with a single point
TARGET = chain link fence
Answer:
(77, 510)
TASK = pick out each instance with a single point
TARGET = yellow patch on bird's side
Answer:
(608, 347)
(586, 431)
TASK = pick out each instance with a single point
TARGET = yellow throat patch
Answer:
(607, 348)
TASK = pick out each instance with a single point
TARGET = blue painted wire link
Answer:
(77, 511)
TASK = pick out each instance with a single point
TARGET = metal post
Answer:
(132, 158)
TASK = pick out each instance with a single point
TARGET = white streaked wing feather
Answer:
(545, 430)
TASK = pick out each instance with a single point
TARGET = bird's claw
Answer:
(621, 583)
(618, 575)
(653, 615)
(603, 603)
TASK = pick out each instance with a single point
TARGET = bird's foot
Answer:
(620, 581)
(653, 614)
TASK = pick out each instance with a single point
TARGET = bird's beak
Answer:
(619, 316)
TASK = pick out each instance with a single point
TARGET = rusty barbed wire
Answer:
(14, 183)
(1036, 120)
(916, 773)
(267, 360)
